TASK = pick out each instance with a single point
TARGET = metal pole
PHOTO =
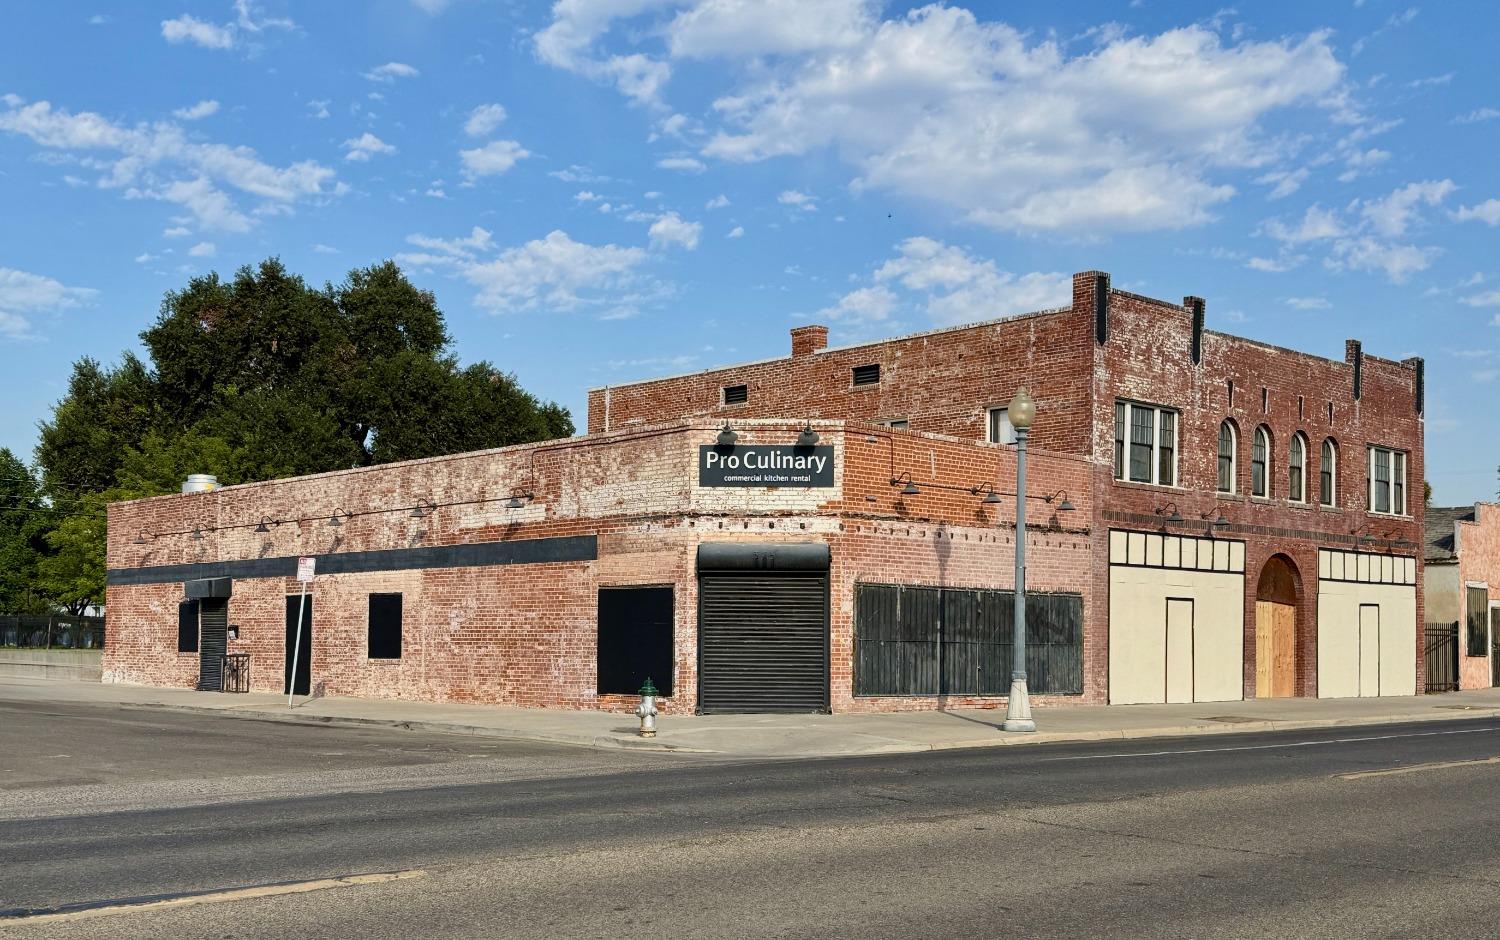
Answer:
(1018, 711)
(291, 681)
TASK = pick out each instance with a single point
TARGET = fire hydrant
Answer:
(646, 711)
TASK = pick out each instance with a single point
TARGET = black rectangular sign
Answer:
(765, 465)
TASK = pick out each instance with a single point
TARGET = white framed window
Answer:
(1260, 448)
(1296, 470)
(1328, 474)
(1387, 481)
(1000, 430)
(1145, 443)
(1228, 446)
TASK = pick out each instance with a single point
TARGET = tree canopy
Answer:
(251, 378)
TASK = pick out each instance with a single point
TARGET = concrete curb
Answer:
(998, 739)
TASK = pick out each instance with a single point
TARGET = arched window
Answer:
(1328, 474)
(1296, 471)
(1260, 484)
(1227, 442)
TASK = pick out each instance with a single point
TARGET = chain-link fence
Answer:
(51, 631)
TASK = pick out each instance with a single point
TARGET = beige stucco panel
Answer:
(1339, 639)
(1139, 668)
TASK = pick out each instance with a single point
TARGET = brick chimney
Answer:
(807, 340)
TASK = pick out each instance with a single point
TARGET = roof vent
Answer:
(200, 483)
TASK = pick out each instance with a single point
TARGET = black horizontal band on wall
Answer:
(475, 555)
(763, 556)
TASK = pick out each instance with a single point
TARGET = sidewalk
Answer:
(788, 736)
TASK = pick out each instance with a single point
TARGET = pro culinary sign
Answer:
(765, 465)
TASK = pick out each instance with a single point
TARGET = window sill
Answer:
(1390, 515)
(1136, 484)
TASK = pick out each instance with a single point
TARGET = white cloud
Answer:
(1283, 182)
(493, 158)
(177, 231)
(685, 164)
(737, 232)
(566, 43)
(1316, 224)
(22, 293)
(1489, 298)
(1308, 303)
(1392, 215)
(360, 149)
(187, 28)
(1127, 136)
(797, 200)
(586, 196)
(950, 285)
(554, 273)
(1478, 115)
(389, 72)
(745, 28)
(1487, 212)
(670, 229)
(160, 161)
(484, 119)
(1485, 376)
(198, 111)
(718, 202)
(1277, 265)
(578, 174)
(318, 109)
(144, 257)
(430, 7)
(322, 249)
(203, 250)
(1398, 262)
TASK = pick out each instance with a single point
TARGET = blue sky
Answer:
(605, 190)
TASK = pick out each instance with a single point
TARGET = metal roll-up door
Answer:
(763, 628)
(213, 643)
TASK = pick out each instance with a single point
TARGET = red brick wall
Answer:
(526, 634)
(1478, 563)
(1148, 359)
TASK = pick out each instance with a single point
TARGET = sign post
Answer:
(305, 568)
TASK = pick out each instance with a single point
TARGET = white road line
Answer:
(214, 897)
(1418, 768)
(1269, 747)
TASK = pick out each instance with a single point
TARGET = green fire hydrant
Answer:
(646, 711)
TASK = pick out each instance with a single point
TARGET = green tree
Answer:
(24, 520)
(262, 376)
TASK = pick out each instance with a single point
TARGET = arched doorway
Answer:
(1276, 657)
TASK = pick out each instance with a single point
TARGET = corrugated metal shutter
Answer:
(763, 642)
(214, 643)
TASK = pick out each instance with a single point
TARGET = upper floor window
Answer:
(867, 375)
(1388, 481)
(897, 424)
(1000, 429)
(1151, 433)
(1296, 470)
(1227, 442)
(736, 394)
(1260, 447)
(1328, 473)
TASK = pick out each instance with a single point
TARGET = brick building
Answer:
(1305, 472)
(564, 574)
(1209, 518)
(1462, 580)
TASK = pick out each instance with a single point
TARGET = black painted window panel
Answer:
(187, 627)
(385, 626)
(635, 640)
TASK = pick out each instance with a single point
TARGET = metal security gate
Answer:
(763, 627)
(213, 643)
(1440, 656)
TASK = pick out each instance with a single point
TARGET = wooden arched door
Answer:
(1276, 657)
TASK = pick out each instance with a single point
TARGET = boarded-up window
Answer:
(385, 626)
(1479, 611)
(187, 627)
(867, 375)
(736, 394)
(635, 639)
(959, 641)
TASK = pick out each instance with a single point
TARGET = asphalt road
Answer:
(1370, 832)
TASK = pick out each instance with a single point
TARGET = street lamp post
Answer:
(1022, 412)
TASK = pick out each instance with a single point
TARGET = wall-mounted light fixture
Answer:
(1065, 506)
(1176, 514)
(140, 539)
(337, 522)
(197, 535)
(910, 487)
(518, 500)
(265, 524)
(726, 437)
(808, 437)
(991, 498)
(422, 508)
(1219, 521)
